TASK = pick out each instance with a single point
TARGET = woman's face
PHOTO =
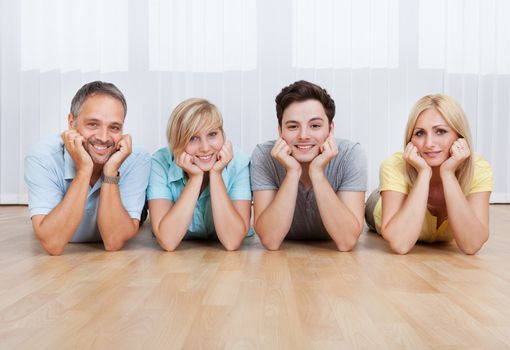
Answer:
(433, 137)
(204, 148)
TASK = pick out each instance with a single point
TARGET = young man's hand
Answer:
(328, 151)
(124, 149)
(74, 144)
(283, 154)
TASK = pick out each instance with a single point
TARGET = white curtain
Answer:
(375, 57)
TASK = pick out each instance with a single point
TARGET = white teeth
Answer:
(100, 147)
(205, 157)
(304, 147)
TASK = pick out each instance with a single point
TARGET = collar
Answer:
(175, 173)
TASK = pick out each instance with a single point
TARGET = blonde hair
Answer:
(188, 119)
(454, 116)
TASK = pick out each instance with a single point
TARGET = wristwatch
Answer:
(114, 180)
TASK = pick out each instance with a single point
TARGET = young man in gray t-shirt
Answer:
(307, 184)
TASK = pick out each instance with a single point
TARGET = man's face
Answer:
(305, 127)
(100, 122)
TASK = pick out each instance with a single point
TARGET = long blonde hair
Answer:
(189, 118)
(454, 116)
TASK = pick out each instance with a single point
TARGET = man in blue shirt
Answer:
(88, 184)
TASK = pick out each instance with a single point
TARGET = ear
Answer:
(279, 131)
(332, 128)
(70, 121)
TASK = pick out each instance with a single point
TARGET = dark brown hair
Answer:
(300, 91)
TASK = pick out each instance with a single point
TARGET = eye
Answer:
(92, 125)
(441, 131)
(292, 126)
(419, 133)
(193, 139)
(213, 134)
(115, 128)
(316, 126)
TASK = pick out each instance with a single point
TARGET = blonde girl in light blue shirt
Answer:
(199, 185)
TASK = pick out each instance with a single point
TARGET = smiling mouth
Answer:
(205, 158)
(100, 149)
(304, 147)
(432, 154)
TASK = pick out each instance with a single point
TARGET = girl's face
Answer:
(433, 137)
(204, 148)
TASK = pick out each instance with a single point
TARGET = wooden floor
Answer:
(305, 296)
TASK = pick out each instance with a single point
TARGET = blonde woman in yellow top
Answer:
(437, 189)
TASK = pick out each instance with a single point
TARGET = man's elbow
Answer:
(270, 244)
(113, 244)
(53, 248)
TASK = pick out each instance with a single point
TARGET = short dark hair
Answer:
(96, 88)
(303, 90)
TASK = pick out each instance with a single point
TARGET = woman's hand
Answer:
(185, 162)
(412, 157)
(225, 155)
(459, 152)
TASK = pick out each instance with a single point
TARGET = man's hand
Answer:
(224, 157)
(124, 149)
(412, 157)
(74, 144)
(459, 152)
(328, 151)
(185, 162)
(282, 153)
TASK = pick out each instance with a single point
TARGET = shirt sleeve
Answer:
(133, 184)
(158, 180)
(483, 179)
(241, 189)
(355, 171)
(263, 176)
(44, 191)
(392, 174)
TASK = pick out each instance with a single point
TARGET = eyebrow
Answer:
(99, 121)
(434, 127)
(311, 120)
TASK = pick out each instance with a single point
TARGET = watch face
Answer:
(111, 180)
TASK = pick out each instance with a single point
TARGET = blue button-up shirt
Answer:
(49, 171)
(167, 181)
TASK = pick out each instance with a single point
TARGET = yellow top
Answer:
(392, 178)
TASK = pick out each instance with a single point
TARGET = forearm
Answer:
(273, 224)
(114, 223)
(468, 230)
(175, 223)
(403, 229)
(229, 225)
(341, 223)
(58, 227)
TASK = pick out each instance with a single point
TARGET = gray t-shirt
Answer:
(346, 172)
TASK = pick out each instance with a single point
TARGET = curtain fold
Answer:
(375, 57)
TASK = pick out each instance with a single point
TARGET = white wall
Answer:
(375, 57)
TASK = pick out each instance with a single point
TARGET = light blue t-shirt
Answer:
(167, 181)
(49, 171)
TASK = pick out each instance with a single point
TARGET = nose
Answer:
(204, 145)
(429, 141)
(303, 133)
(102, 134)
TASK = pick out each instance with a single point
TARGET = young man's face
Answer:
(305, 127)
(100, 122)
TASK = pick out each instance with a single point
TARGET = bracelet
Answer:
(114, 180)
